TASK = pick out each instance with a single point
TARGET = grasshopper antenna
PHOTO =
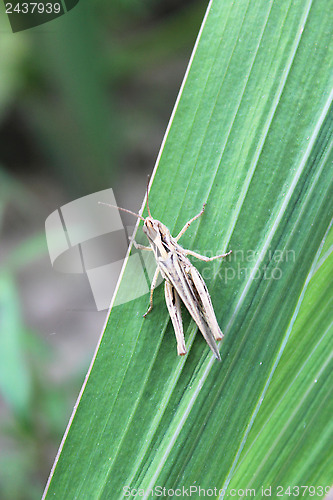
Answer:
(123, 209)
(147, 196)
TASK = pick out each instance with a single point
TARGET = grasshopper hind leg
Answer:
(172, 300)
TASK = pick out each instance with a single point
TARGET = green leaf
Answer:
(251, 134)
(15, 380)
(295, 418)
(14, 50)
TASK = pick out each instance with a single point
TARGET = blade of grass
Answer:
(251, 134)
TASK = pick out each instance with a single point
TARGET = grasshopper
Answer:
(183, 281)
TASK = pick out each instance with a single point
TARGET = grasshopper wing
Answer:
(192, 290)
(205, 303)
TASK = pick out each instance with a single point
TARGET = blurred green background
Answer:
(84, 103)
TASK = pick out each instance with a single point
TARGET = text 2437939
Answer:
(33, 8)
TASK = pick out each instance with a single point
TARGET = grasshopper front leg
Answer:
(141, 247)
(187, 225)
(152, 288)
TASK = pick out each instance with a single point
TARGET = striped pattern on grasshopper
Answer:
(183, 282)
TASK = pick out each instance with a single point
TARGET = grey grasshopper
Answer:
(183, 282)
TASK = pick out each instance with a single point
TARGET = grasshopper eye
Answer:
(146, 226)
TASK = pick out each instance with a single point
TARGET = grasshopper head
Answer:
(153, 229)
